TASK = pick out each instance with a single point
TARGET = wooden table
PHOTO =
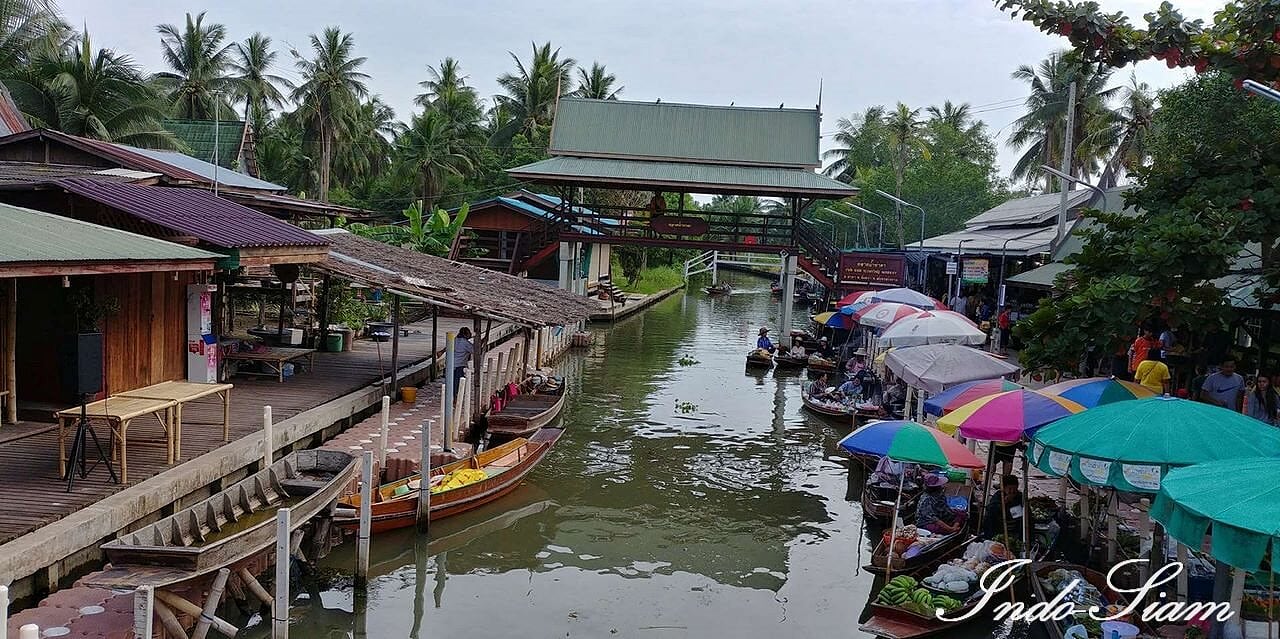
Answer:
(275, 358)
(118, 413)
(181, 392)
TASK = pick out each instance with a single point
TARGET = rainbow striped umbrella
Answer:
(907, 441)
(1096, 391)
(1007, 416)
(834, 319)
(961, 394)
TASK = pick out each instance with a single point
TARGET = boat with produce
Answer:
(759, 358)
(539, 401)
(233, 525)
(923, 549)
(722, 288)
(455, 488)
(1091, 590)
(906, 608)
(820, 364)
(827, 407)
(879, 498)
(790, 362)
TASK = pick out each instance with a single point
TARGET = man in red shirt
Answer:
(1005, 322)
(1138, 352)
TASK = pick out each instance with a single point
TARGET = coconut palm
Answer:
(447, 91)
(434, 150)
(906, 135)
(597, 84)
(24, 24)
(256, 86)
(1129, 135)
(1041, 132)
(332, 85)
(532, 91)
(367, 131)
(92, 93)
(859, 143)
(956, 116)
(197, 85)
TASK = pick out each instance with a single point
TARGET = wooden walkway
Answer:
(32, 494)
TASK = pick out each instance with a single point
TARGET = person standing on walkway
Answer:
(463, 350)
(1153, 373)
(1263, 401)
(1005, 323)
(1141, 346)
(1224, 388)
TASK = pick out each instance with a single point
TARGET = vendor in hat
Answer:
(932, 511)
(764, 343)
(857, 363)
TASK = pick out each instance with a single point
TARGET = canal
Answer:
(685, 500)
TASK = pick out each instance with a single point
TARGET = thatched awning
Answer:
(455, 285)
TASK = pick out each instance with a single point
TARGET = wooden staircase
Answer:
(818, 256)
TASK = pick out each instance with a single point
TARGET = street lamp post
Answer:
(833, 227)
(1075, 180)
(959, 265)
(878, 217)
(893, 198)
(845, 235)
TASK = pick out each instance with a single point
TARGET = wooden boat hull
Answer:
(401, 511)
(525, 414)
(1052, 629)
(759, 362)
(878, 503)
(823, 410)
(716, 290)
(815, 368)
(935, 553)
(892, 622)
(188, 544)
(784, 361)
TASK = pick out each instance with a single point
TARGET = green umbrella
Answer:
(1236, 500)
(1131, 445)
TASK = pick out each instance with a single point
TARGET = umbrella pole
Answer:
(1026, 508)
(1221, 592)
(986, 486)
(893, 525)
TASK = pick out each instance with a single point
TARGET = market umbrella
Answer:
(834, 319)
(908, 441)
(961, 394)
(1236, 500)
(884, 314)
(908, 296)
(938, 367)
(1007, 416)
(932, 328)
(1132, 445)
(1096, 391)
(856, 297)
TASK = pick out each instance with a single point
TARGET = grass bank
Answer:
(650, 280)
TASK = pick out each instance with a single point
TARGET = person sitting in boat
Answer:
(817, 389)
(894, 398)
(888, 472)
(857, 363)
(1004, 510)
(932, 511)
(764, 343)
(851, 390)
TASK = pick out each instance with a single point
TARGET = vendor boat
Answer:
(827, 408)
(235, 524)
(879, 499)
(536, 406)
(790, 361)
(775, 287)
(1048, 582)
(722, 288)
(820, 364)
(759, 358)
(396, 504)
(934, 549)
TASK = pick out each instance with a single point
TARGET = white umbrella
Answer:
(932, 327)
(907, 296)
(940, 366)
(884, 314)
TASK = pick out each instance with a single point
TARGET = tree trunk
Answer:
(326, 158)
(897, 208)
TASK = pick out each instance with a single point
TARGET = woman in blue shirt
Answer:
(764, 342)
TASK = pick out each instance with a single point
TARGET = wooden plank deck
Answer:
(32, 494)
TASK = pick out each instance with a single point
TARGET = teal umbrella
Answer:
(1237, 501)
(1131, 445)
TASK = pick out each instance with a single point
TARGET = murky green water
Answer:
(736, 519)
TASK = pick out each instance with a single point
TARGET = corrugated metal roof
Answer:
(205, 170)
(1036, 209)
(202, 136)
(1040, 277)
(541, 214)
(195, 212)
(35, 236)
(26, 174)
(686, 132)
(1011, 241)
(691, 178)
(11, 119)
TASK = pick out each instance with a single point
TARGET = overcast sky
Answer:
(865, 52)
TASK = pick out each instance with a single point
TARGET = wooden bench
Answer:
(273, 358)
(181, 392)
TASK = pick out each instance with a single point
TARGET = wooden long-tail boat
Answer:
(931, 555)
(759, 359)
(1043, 592)
(232, 525)
(396, 504)
(878, 501)
(825, 408)
(524, 414)
(788, 361)
(723, 288)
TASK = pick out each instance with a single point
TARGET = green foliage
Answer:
(650, 280)
(433, 234)
(197, 85)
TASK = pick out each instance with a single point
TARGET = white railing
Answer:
(710, 261)
(700, 264)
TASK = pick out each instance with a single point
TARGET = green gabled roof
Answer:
(686, 133)
(684, 177)
(199, 137)
(33, 237)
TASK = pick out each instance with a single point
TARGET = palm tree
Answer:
(859, 143)
(532, 91)
(956, 116)
(905, 133)
(24, 24)
(433, 149)
(332, 85)
(1042, 131)
(251, 65)
(95, 94)
(447, 91)
(597, 84)
(197, 83)
(1129, 134)
(369, 130)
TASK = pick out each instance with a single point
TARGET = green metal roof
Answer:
(686, 132)
(199, 136)
(686, 177)
(1041, 277)
(38, 237)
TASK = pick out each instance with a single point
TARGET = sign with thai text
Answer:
(975, 270)
(875, 270)
(676, 225)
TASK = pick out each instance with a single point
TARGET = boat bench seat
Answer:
(300, 487)
(491, 471)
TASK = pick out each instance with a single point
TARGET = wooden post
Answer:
(366, 522)
(424, 481)
(477, 358)
(280, 605)
(324, 310)
(528, 347)
(268, 441)
(491, 373)
(4, 612)
(1086, 515)
(11, 352)
(537, 363)
(444, 422)
(395, 346)
(1237, 595)
(1144, 529)
(446, 403)
(383, 418)
(1113, 516)
(211, 604)
(1182, 575)
(143, 611)
(435, 325)
(1062, 491)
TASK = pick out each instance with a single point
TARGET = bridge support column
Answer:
(788, 292)
(566, 266)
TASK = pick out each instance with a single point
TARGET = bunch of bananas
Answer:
(902, 592)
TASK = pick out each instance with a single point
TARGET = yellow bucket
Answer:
(409, 394)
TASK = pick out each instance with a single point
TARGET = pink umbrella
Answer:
(884, 314)
(908, 296)
(856, 297)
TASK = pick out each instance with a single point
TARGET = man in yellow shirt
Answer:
(1152, 372)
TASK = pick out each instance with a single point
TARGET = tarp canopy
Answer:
(1237, 501)
(937, 367)
(455, 285)
(1130, 445)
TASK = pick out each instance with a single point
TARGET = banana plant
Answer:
(433, 234)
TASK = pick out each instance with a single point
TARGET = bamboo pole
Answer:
(1086, 514)
(478, 350)
(383, 418)
(267, 439)
(280, 605)
(366, 521)
(186, 607)
(255, 588)
(1113, 518)
(11, 352)
(172, 627)
(424, 481)
(206, 616)
(1144, 529)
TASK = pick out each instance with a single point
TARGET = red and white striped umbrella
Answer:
(884, 314)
